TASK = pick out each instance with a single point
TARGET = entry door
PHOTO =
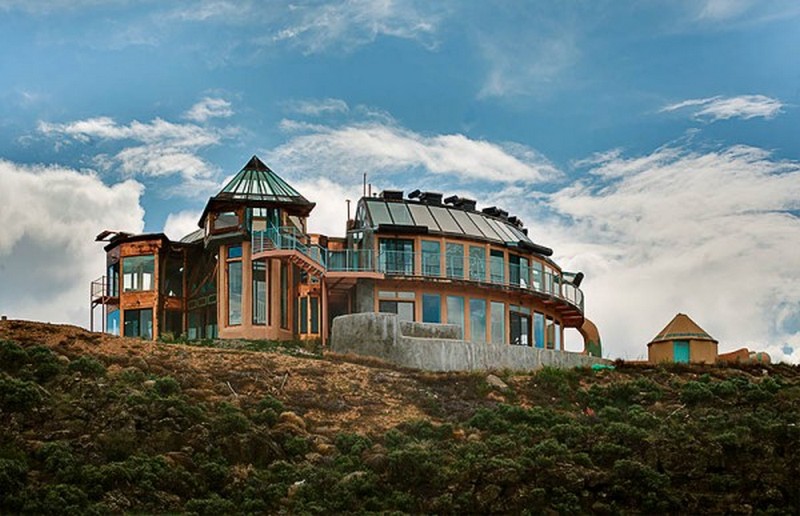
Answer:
(520, 328)
(680, 351)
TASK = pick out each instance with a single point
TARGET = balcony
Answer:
(422, 265)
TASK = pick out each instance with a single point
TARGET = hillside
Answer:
(93, 424)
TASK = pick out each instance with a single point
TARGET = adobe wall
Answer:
(702, 351)
(438, 348)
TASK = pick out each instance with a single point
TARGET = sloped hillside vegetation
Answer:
(95, 424)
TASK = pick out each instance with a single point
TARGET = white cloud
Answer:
(527, 63)
(709, 234)
(48, 256)
(722, 108)
(209, 108)
(158, 148)
(717, 10)
(180, 224)
(330, 214)
(315, 27)
(318, 107)
(383, 148)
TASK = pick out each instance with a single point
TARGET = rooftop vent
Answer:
(492, 211)
(431, 198)
(451, 200)
(413, 195)
(515, 220)
(392, 195)
(467, 204)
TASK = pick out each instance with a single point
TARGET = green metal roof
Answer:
(257, 182)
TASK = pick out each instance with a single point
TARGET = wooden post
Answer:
(324, 303)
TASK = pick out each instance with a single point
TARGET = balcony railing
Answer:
(423, 264)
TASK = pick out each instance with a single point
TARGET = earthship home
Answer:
(252, 271)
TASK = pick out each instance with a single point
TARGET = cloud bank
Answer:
(48, 256)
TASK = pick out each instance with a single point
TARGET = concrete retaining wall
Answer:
(438, 347)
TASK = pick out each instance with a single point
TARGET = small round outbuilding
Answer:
(682, 340)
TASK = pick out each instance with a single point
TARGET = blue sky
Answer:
(653, 144)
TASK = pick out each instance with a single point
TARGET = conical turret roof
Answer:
(682, 327)
(257, 182)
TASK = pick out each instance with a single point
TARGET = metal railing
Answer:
(420, 263)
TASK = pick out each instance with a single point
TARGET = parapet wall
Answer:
(438, 347)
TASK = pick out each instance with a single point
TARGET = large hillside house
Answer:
(252, 271)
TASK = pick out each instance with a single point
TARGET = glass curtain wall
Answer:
(397, 256)
(538, 329)
(498, 266)
(455, 312)
(260, 290)
(477, 320)
(234, 285)
(431, 308)
(477, 263)
(431, 258)
(455, 260)
(498, 327)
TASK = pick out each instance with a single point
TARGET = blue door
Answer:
(680, 351)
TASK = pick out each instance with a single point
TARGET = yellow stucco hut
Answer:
(682, 340)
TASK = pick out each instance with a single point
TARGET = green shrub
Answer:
(88, 366)
(214, 505)
(18, 395)
(229, 420)
(13, 474)
(695, 392)
(267, 411)
(353, 444)
(12, 356)
(167, 386)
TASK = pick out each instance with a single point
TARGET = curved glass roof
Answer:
(441, 219)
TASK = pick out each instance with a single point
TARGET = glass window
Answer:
(139, 323)
(517, 233)
(400, 213)
(137, 273)
(518, 270)
(314, 315)
(234, 293)
(423, 217)
(259, 292)
(113, 284)
(172, 323)
(112, 322)
(466, 223)
(235, 251)
(379, 213)
(498, 328)
(403, 309)
(284, 296)
(431, 308)
(445, 220)
(397, 256)
(477, 263)
(550, 334)
(455, 312)
(454, 260)
(431, 258)
(226, 220)
(498, 266)
(173, 277)
(520, 327)
(537, 276)
(538, 329)
(484, 226)
(477, 320)
(303, 315)
(558, 335)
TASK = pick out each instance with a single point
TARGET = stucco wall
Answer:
(700, 351)
(383, 336)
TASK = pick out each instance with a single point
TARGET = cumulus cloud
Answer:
(48, 255)
(180, 224)
(379, 147)
(716, 108)
(710, 234)
(158, 148)
(209, 108)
